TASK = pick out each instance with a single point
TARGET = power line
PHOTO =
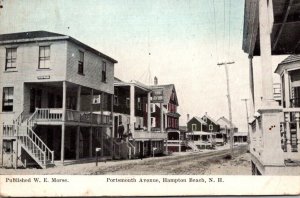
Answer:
(229, 28)
(216, 41)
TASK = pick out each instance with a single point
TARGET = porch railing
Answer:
(56, 114)
(290, 131)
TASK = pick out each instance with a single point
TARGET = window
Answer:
(11, 58)
(44, 57)
(152, 108)
(80, 62)
(127, 102)
(103, 71)
(116, 100)
(139, 103)
(204, 119)
(194, 127)
(211, 127)
(8, 99)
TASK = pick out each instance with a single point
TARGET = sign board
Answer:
(43, 77)
(98, 149)
(96, 99)
(157, 95)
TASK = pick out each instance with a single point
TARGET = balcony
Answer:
(149, 135)
(47, 115)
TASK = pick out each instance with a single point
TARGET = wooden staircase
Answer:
(192, 145)
(28, 140)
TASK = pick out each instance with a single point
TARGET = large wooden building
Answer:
(56, 95)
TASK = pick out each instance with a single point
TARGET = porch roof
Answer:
(285, 34)
(290, 59)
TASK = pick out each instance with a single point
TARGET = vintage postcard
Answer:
(149, 98)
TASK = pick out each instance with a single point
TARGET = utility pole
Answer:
(248, 139)
(229, 104)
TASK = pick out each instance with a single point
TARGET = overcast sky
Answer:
(179, 41)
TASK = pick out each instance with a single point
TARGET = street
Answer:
(204, 163)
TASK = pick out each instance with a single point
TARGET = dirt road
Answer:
(207, 163)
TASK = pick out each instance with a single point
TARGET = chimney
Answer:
(187, 117)
(155, 80)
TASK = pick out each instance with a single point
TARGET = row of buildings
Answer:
(206, 132)
(61, 103)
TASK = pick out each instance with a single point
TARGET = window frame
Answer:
(139, 103)
(128, 102)
(80, 63)
(194, 127)
(11, 58)
(45, 58)
(7, 101)
(103, 72)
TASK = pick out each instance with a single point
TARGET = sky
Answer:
(178, 41)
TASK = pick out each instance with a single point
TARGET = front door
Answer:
(35, 99)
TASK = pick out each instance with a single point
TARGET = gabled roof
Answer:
(117, 79)
(290, 59)
(167, 92)
(286, 63)
(199, 120)
(33, 36)
(211, 119)
(222, 121)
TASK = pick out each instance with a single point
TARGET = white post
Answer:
(161, 118)
(148, 112)
(286, 89)
(265, 46)
(78, 98)
(77, 141)
(132, 108)
(63, 127)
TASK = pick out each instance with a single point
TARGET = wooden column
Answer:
(161, 118)
(91, 128)
(102, 128)
(251, 83)
(265, 46)
(77, 141)
(78, 108)
(91, 142)
(63, 127)
(149, 111)
(78, 105)
(286, 88)
(132, 108)
(112, 132)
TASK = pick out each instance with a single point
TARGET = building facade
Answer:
(133, 120)
(170, 118)
(272, 28)
(51, 86)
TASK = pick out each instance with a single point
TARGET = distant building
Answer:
(171, 116)
(224, 134)
(202, 131)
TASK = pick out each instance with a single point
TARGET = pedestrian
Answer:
(121, 130)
